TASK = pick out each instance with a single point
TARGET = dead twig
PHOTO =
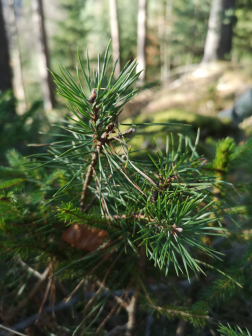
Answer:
(31, 319)
(104, 280)
(29, 269)
(34, 290)
(83, 280)
(44, 298)
(108, 316)
(11, 330)
(123, 303)
(90, 204)
(132, 307)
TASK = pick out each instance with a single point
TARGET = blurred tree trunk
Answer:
(214, 32)
(220, 30)
(161, 30)
(44, 62)
(167, 41)
(141, 37)
(115, 36)
(5, 68)
(228, 19)
(17, 65)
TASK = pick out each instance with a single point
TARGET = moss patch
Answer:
(212, 125)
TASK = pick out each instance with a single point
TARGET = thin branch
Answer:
(104, 280)
(134, 184)
(171, 311)
(88, 179)
(109, 315)
(100, 248)
(90, 204)
(139, 171)
(131, 310)
(104, 203)
(44, 298)
(123, 303)
(12, 331)
(132, 307)
(100, 142)
(117, 298)
(83, 280)
(31, 319)
(29, 269)
(31, 294)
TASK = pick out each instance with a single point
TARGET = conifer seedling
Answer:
(126, 216)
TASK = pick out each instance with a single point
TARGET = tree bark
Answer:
(141, 37)
(167, 40)
(17, 65)
(214, 32)
(5, 68)
(228, 19)
(44, 60)
(115, 36)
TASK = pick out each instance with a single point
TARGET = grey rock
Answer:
(242, 108)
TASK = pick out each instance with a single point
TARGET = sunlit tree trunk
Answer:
(5, 68)
(115, 36)
(141, 37)
(167, 40)
(161, 29)
(214, 32)
(225, 44)
(44, 63)
(17, 65)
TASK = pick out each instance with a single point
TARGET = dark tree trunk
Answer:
(225, 44)
(5, 69)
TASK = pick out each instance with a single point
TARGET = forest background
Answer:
(197, 56)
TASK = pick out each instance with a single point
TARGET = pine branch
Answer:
(228, 331)
(100, 143)
(196, 319)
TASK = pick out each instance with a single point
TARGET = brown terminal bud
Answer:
(92, 96)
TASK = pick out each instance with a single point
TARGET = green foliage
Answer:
(69, 214)
(180, 219)
(18, 131)
(225, 149)
(157, 212)
(71, 32)
(242, 31)
(189, 29)
(228, 331)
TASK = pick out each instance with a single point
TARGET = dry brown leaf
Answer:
(82, 237)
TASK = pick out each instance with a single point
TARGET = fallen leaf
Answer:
(82, 237)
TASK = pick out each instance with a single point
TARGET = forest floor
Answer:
(194, 96)
(201, 89)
